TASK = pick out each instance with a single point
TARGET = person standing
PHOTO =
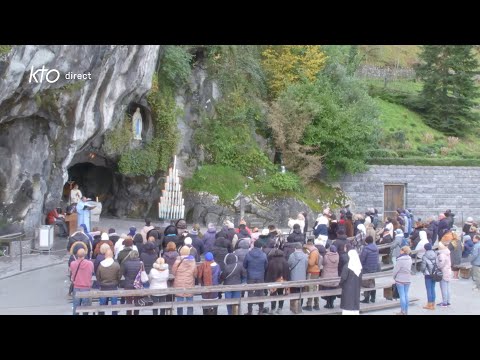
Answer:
(158, 278)
(75, 195)
(330, 270)
(209, 275)
(298, 264)
(256, 264)
(350, 282)
(185, 271)
(403, 277)
(429, 259)
(83, 210)
(277, 271)
(444, 264)
(476, 262)
(315, 261)
(369, 260)
(234, 274)
(108, 277)
(81, 271)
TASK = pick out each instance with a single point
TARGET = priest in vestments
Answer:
(83, 210)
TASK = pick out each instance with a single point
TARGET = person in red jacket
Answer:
(53, 218)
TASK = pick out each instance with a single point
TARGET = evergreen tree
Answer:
(449, 89)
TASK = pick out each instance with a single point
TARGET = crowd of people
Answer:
(343, 249)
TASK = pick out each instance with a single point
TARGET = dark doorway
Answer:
(394, 198)
(93, 181)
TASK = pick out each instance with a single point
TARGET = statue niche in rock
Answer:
(137, 125)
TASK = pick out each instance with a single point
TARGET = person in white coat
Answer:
(300, 221)
(158, 278)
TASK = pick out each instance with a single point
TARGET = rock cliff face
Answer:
(45, 123)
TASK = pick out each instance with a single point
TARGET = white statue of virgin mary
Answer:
(137, 125)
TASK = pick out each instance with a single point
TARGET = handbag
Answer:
(143, 301)
(70, 289)
(395, 293)
(143, 275)
(137, 283)
(437, 274)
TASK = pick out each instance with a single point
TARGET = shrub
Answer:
(428, 138)
(452, 141)
(285, 181)
(382, 153)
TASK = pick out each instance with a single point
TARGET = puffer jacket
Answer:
(277, 268)
(209, 239)
(219, 251)
(130, 268)
(444, 263)
(170, 257)
(369, 258)
(243, 249)
(428, 259)
(402, 271)
(296, 236)
(185, 271)
(234, 273)
(330, 266)
(256, 264)
(298, 264)
(396, 246)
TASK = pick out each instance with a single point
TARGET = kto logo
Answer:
(51, 75)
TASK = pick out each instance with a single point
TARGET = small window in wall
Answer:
(394, 198)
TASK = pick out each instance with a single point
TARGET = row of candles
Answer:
(171, 204)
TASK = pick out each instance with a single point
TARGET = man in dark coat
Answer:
(295, 237)
(443, 226)
(350, 282)
(369, 261)
(256, 264)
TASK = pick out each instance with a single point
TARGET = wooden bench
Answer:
(465, 270)
(295, 298)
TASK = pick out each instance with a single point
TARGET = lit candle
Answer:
(97, 198)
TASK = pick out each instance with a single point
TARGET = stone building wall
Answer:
(429, 190)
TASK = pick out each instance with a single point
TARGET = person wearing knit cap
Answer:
(429, 259)
(187, 242)
(467, 248)
(104, 239)
(185, 271)
(126, 247)
(132, 231)
(158, 279)
(209, 275)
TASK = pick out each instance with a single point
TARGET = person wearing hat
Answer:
(467, 225)
(125, 250)
(429, 259)
(467, 248)
(158, 279)
(104, 239)
(132, 231)
(255, 264)
(185, 271)
(148, 256)
(264, 237)
(234, 274)
(188, 242)
(113, 236)
(403, 276)
(209, 275)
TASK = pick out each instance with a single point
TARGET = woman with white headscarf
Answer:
(359, 241)
(350, 282)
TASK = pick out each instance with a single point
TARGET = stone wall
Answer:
(429, 190)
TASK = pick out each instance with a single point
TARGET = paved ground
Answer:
(42, 286)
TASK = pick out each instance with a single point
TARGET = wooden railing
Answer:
(236, 302)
